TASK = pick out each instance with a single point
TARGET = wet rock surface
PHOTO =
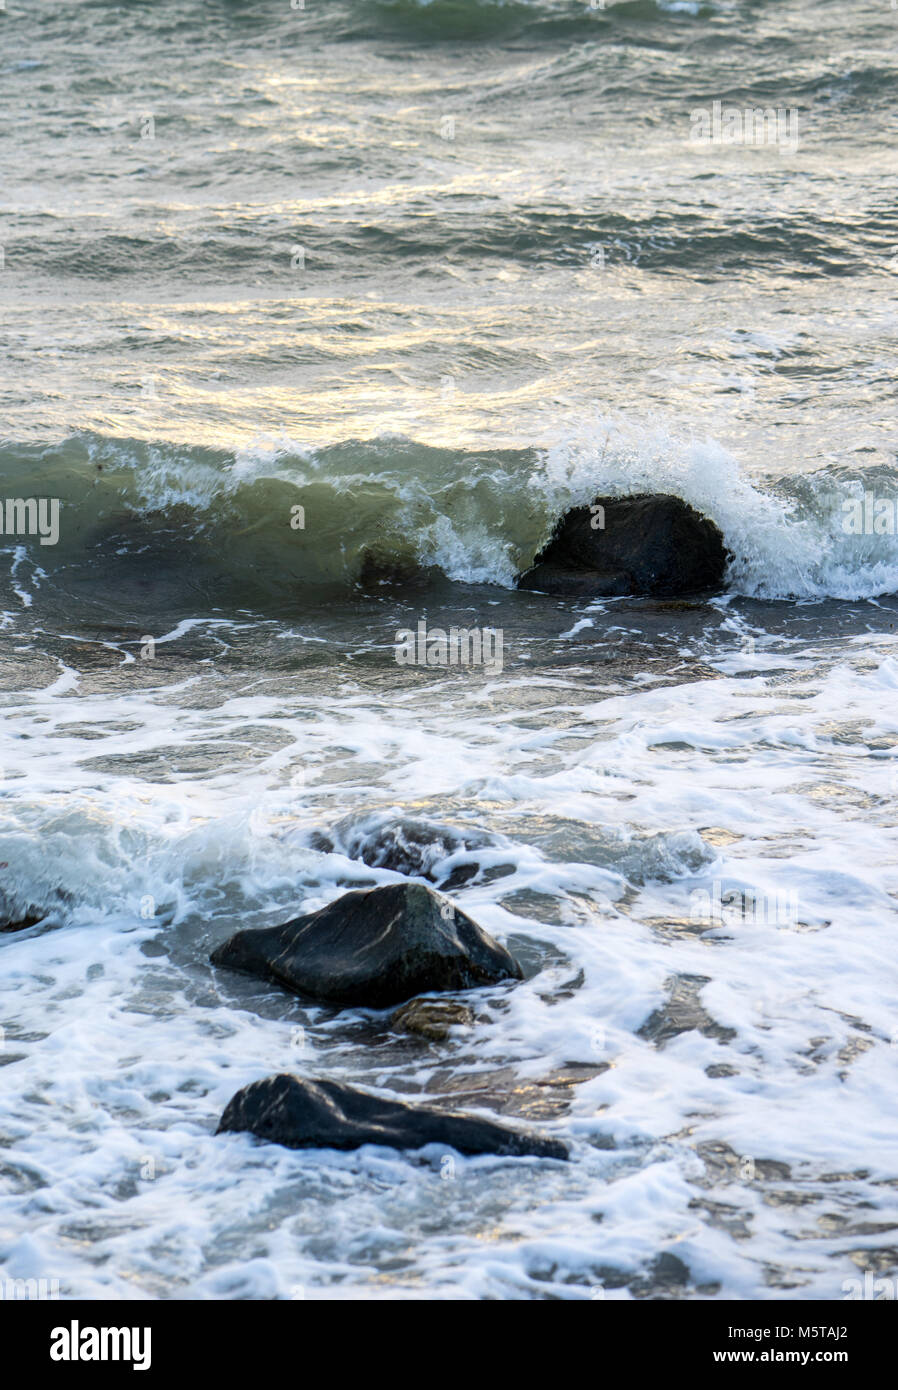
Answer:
(417, 846)
(657, 546)
(16, 912)
(504, 1091)
(373, 949)
(682, 1013)
(29, 919)
(431, 1018)
(303, 1114)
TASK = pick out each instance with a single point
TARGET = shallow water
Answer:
(519, 287)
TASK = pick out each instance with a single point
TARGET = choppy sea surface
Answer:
(432, 273)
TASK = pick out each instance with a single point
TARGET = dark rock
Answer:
(304, 1114)
(461, 874)
(16, 912)
(670, 1270)
(666, 1277)
(431, 1018)
(20, 923)
(723, 1165)
(405, 844)
(394, 571)
(653, 545)
(374, 948)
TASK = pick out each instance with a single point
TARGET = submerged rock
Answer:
(431, 1018)
(373, 948)
(303, 1114)
(666, 1277)
(653, 545)
(503, 1091)
(682, 1013)
(16, 912)
(413, 845)
(29, 919)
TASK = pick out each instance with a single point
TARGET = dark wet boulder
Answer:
(304, 1114)
(658, 546)
(373, 948)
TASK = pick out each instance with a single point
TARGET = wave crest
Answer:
(279, 514)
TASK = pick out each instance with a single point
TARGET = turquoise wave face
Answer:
(255, 522)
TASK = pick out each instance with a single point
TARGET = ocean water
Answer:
(314, 321)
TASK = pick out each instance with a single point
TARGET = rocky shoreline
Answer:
(388, 945)
(392, 947)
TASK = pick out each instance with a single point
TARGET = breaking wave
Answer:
(267, 519)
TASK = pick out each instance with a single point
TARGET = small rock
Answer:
(666, 1277)
(669, 1271)
(305, 1114)
(374, 948)
(431, 1018)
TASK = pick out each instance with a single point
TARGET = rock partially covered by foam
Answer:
(653, 545)
(17, 912)
(19, 921)
(374, 949)
(304, 1114)
(431, 1018)
(413, 845)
